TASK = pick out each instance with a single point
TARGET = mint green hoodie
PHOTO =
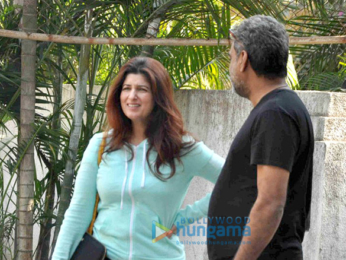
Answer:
(131, 199)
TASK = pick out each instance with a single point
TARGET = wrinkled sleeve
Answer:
(79, 214)
(205, 163)
(275, 140)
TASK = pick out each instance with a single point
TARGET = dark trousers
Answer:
(278, 256)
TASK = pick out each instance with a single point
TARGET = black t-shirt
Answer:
(278, 132)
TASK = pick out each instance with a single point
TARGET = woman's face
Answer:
(136, 98)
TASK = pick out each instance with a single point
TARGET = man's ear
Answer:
(243, 60)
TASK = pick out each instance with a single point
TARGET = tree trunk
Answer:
(20, 3)
(82, 79)
(42, 252)
(25, 182)
(153, 29)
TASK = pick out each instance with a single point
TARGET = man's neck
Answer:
(263, 86)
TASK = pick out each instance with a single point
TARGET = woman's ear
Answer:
(243, 60)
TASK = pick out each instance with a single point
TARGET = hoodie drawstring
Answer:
(143, 165)
(126, 174)
(124, 182)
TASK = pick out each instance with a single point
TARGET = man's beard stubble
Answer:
(239, 87)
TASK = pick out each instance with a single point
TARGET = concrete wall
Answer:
(216, 116)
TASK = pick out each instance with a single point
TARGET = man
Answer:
(261, 201)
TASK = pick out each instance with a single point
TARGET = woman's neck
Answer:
(138, 134)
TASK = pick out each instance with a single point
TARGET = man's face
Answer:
(234, 71)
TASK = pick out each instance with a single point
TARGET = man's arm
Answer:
(267, 211)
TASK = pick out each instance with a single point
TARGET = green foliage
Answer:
(203, 67)
(318, 65)
(331, 81)
(7, 218)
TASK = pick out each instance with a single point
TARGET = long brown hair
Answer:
(165, 125)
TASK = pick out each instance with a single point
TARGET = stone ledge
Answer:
(333, 228)
(338, 105)
(336, 152)
(318, 103)
(329, 128)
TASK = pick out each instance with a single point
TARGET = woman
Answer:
(145, 172)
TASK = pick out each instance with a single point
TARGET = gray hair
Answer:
(266, 42)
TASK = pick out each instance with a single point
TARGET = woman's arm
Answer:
(203, 162)
(78, 215)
